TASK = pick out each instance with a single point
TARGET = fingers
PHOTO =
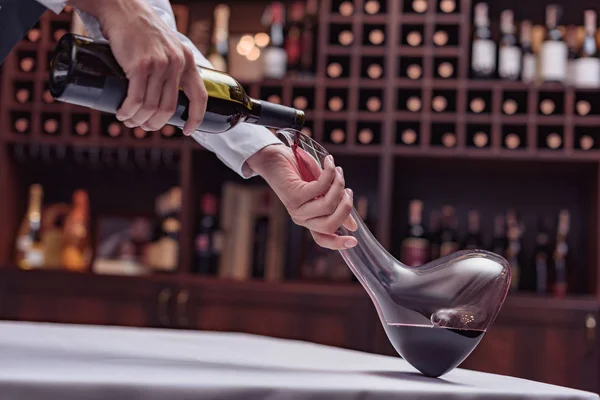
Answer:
(156, 81)
(325, 205)
(194, 89)
(331, 223)
(135, 96)
(334, 242)
(321, 185)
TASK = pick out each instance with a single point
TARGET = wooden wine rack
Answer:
(388, 170)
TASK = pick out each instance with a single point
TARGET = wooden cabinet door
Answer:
(326, 315)
(45, 296)
(545, 341)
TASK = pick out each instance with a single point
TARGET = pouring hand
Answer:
(322, 206)
(154, 60)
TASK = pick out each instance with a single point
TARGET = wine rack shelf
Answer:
(394, 83)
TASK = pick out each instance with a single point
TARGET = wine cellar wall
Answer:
(440, 152)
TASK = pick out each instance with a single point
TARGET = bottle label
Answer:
(35, 258)
(586, 73)
(275, 63)
(24, 243)
(484, 56)
(529, 68)
(509, 64)
(415, 251)
(554, 61)
(218, 241)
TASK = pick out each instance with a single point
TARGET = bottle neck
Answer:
(273, 115)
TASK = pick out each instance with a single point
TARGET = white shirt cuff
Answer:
(55, 6)
(236, 146)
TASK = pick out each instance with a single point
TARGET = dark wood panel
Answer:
(336, 316)
(80, 298)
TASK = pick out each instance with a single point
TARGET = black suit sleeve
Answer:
(17, 17)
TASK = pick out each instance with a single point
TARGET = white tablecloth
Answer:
(47, 361)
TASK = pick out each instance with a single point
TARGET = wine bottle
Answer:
(440, 38)
(472, 240)
(447, 6)
(338, 136)
(483, 57)
(219, 49)
(538, 275)
(560, 254)
(583, 107)
(82, 128)
(554, 51)
(309, 37)
(374, 104)
(22, 125)
(509, 57)
(51, 126)
(415, 246)
(375, 71)
(499, 240)
(275, 55)
(435, 234)
(587, 65)
(529, 68)
(586, 142)
(372, 7)
(23, 95)
(77, 252)
(335, 70)
(166, 250)
(207, 244)
(445, 70)
(27, 64)
(365, 136)
(419, 6)
(449, 235)
(377, 37)
(34, 34)
(29, 249)
(514, 249)
(414, 38)
(409, 136)
(346, 9)
(481, 139)
(449, 139)
(293, 42)
(439, 103)
(84, 72)
(261, 236)
(572, 46)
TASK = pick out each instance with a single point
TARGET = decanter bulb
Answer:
(434, 314)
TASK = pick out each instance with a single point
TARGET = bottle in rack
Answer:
(84, 72)
(449, 243)
(538, 274)
(572, 46)
(309, 38)
(435, 234)
(219, 49)
(509, 55)
(554, 50)
(560, 285)
(528, 70)
(77, 252)
(293, 42)
(483, 54)
(472, 240)
(208, 243)
(587, 64)
(29, 248)
(415, 246)
(499, 240)
(514, 249)
(275, 61)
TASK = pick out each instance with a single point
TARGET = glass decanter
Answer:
(434, 314)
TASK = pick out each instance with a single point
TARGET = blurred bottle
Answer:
(219, 48)
(449, 242)
(29, 246)
(275, 55)
(77, 252)
(415, 246)
(208, 243)
(472, 240)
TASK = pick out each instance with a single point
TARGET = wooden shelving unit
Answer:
(533, 178)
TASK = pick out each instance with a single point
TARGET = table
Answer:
(54, 361)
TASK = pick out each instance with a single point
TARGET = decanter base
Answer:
(433, 351)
